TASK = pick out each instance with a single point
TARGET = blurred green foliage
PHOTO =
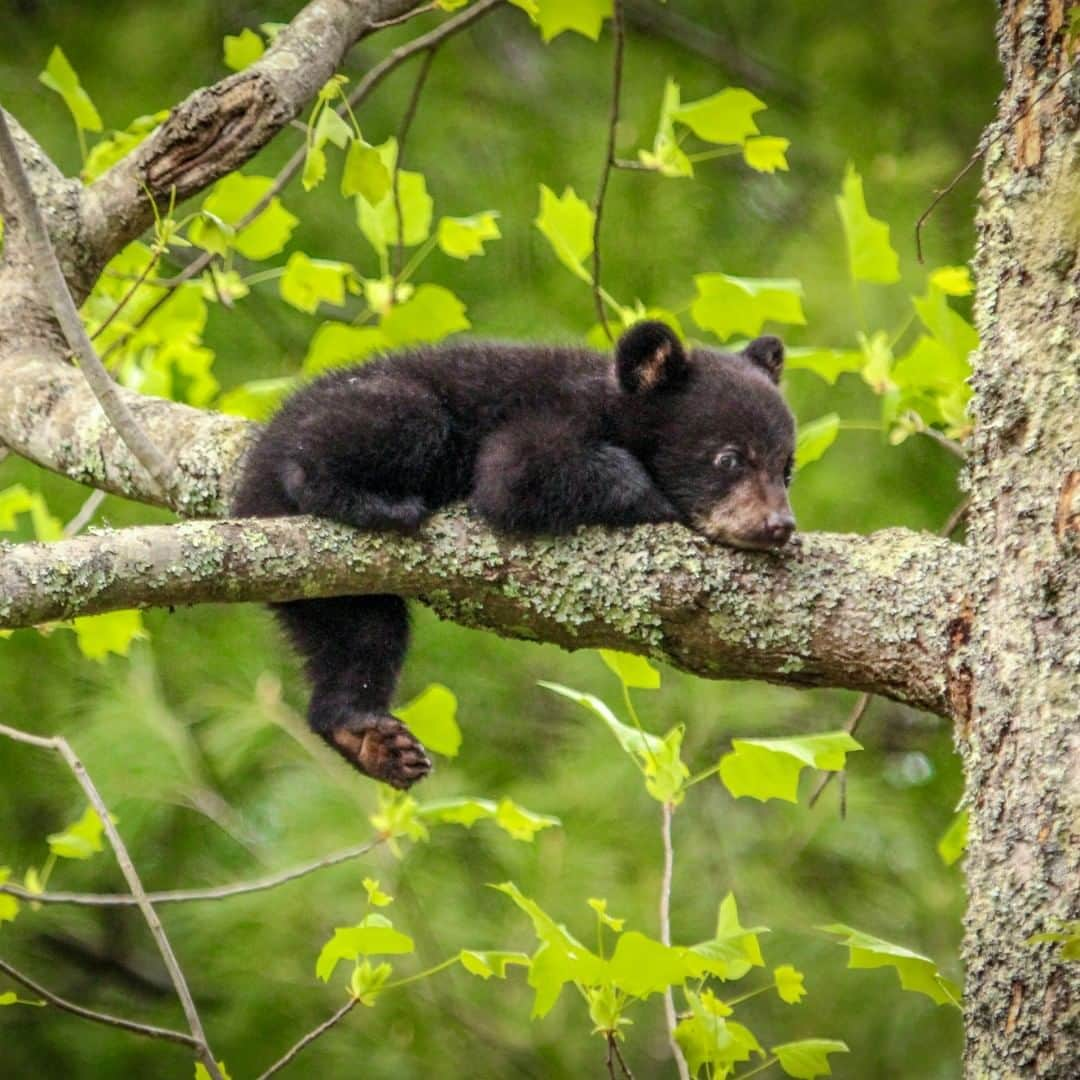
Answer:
(197, 738)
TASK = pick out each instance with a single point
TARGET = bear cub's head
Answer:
(713, 431)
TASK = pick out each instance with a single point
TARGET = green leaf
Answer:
(9, 906)
(431, 716)
(430, 314)
(9, 997)
(641, 966)
(766, 153)
(729, 305)
(554, 17)
(335, 344)
(916, 972)
(769, 768)
(60, 76)
(486, 964)
(512, 818)
(99, 635)
(815, 438)
(658, 759)
(952, 280)
(242, 49)
(870, 255)
(258, 399)
(331, 127)
(600, 907)
(366, 981)
(567, 222)
(707, 1038)
(397, 816)
(379, 222)
(633, 671)
(375, 895)
(808, 1058)
(229, 201)
(307, 283)
(202, 1073)
(953, 842)
(372, 936)
(950, 329)
(81, 839)
(17, 500)
(789, 984)
(877, 361)
(829, 364)
(463, 237)
(105, 153)
(365, 173)
(666, 157)
(314, 167)
(734, 949)
(726, 117)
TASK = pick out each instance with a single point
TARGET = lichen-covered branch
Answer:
(871, 613)
(218, 128)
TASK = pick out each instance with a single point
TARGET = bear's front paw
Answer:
(381, 747)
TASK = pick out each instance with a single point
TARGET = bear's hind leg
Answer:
(353, 648)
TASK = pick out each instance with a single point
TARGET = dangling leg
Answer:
(353, 647)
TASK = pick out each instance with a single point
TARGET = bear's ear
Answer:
(649, 357)
(768, 354)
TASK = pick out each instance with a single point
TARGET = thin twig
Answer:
(181, 896)
(126, 298)
(61, 746)
(51, 280)
(665, 934)
(403, 133)
(398, 20)
(310, 1037)
(359, 93)
(86, 513)
(953, 521)
(980, 152)
(856, 714)
(136, 1028)
(945, 442)
(624, 1068)
(609, 161)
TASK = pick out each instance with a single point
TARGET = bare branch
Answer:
(134, 1026)
(310, 1037)
(668, 812)
(52, 282)
(182, 896)
(61, 746)
(609, 163)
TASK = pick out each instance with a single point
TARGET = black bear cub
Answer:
(539, 440)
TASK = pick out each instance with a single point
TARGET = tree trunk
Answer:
(1016, 682)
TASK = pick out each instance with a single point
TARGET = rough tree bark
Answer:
(1017, 682)
(984, 633)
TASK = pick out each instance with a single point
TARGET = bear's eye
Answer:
(728, 459)
(789, 468)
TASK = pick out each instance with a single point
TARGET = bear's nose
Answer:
(779, 526)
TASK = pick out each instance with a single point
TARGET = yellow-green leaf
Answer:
(953, 842)
(729, 305)
(916, 972)
(9, 906)
(486, 964)
(554, 17)
(229, 201)
(430, 314)
(815, 438)
(105, 153)
(633, 671)
(766, 769)
(952, 280)
(808, 1058)
(870, 254)
(666, 157)
(60, 76)
(307, 283)
(258, 399)
(789, 984)
(379, 222)
(336, 344)
(365, 173)
(726, 117)
(202, 1073)
(463, 237)
(512, 818)
(81, 838)
(766, 153)
(829, 364)
(372, 936)
(242, 49)
(431, 717)
(375, 895)
(99, 635)
(567, 222)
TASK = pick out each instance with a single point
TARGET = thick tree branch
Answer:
(868, 613)
(220, 127)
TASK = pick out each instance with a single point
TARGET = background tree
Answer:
(976, 632)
